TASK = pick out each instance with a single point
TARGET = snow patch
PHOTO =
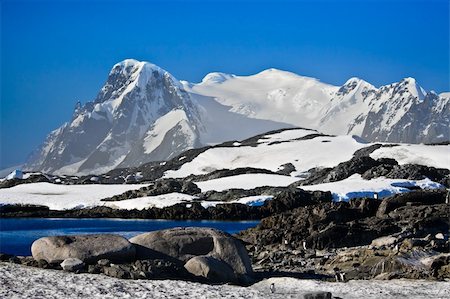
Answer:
(246, 181)
(436, 156)
(355, 187)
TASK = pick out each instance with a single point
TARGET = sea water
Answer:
(17, 234)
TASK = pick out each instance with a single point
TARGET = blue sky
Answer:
(54, 53)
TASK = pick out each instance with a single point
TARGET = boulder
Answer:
(161, 269)
(117, 271)
(317, 295)
(384, 241)
(87, 248)
(72, 264)
(210, 268)
(104, 262)
(182, 244)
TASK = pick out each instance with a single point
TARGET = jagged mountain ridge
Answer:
(144, 114)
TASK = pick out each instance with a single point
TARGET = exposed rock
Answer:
(34, 178)
(390, 169)
(335, 225)
(117, 271)
(359, 164)
(88, 248)
(366, 151)
(5, 256)
(162, 186)
(286, 169)
(317, 295)
(384, 241)
(103, 262)
(24, 210)
(72, 264)
(419, 197)
(182, 244)
(95, 269)
(210, 268)
(227, 172)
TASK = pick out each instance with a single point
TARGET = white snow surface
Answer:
(303, 154)
(26, 282)
(355, 186)
(246, 181)
(436, 155)
(62, 197)
(159, 201)
(156, 134)
(253, 201)
(271, 94)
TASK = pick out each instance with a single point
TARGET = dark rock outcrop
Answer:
(369, 168)
(391, 203)
(335, 225)
(159, 187)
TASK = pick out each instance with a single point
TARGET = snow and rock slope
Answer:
(143, 114)
(345, 165)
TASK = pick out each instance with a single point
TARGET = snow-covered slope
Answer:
(305, 149)
(143, 114)
(273, 151)
(398, 112)
(271, 94)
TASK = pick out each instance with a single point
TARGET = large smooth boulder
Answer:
(182, 244)
(210, 268)
(88, 248)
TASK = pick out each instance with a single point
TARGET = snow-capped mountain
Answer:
(144, 114)
(399, 112)
(141, 114)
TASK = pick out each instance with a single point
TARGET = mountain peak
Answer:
(352, 80)
(129, 66)
(413, 87)
(217, 77)
(271, 72)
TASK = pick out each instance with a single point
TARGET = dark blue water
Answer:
(17, 234)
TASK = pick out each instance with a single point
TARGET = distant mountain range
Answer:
(143, 114)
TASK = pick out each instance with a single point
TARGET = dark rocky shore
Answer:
(402, 236)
